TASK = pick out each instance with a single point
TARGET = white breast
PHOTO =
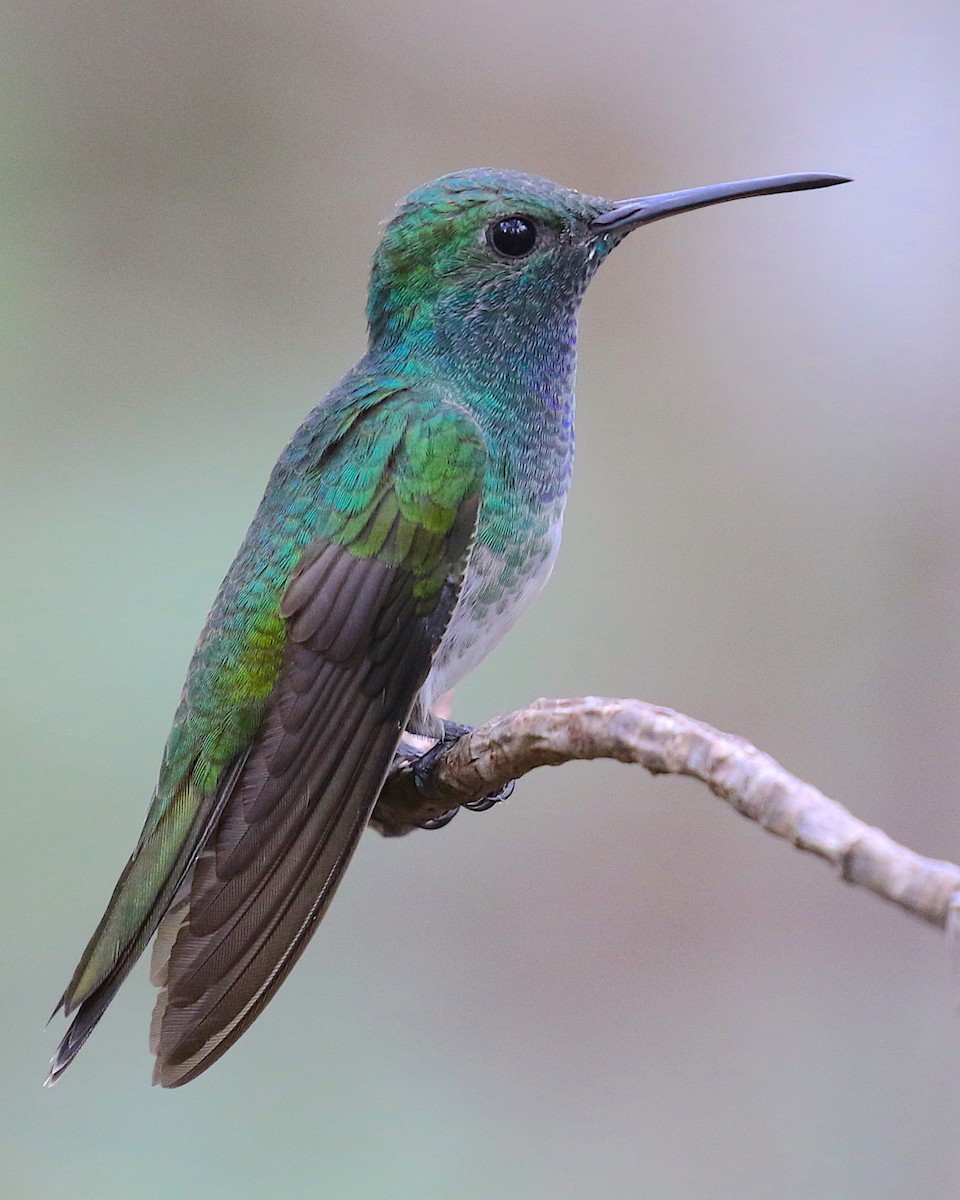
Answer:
(494, 596)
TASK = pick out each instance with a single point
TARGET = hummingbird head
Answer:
(490, 266)
(478, 243)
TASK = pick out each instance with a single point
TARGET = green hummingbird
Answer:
(412, 518)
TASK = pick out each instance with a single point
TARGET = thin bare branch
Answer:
(551, 732)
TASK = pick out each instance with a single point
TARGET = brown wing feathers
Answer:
(243, 886)
(357, 656)
(93, 1007)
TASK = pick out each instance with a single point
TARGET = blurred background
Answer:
(609, 986)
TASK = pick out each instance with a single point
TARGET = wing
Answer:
(238, 878)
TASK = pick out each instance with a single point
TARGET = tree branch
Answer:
(551, 732)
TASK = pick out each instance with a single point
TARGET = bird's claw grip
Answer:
(452, 732)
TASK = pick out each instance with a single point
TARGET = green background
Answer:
(611, 986)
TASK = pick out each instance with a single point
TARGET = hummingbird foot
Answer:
(493, 798)
(439, 822)
(453, 732)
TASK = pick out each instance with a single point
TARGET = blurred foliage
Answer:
(608, 987)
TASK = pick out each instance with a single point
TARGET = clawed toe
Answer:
(486, 802)
(423, 765)
(452, 732)
(439, 822)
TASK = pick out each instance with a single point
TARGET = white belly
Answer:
(495, 594)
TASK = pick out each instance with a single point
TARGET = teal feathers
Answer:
(413, 516)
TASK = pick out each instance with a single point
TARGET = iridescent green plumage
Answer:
(411, 519)
(390, 477)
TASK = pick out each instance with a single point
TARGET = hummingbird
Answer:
(409, 522)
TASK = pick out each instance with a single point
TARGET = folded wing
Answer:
(363, 613)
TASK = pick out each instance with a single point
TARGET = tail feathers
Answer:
(83, 1024)
(94, 1006)
(109, 956)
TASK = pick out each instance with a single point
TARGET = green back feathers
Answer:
(391, 485)
(395, 491)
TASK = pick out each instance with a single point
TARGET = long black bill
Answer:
(630, 214)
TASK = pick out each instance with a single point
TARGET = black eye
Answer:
(513, 237)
